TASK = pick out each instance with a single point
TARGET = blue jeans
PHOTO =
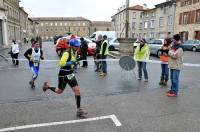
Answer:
(142, 66)
(104, 64)
(174, 80)
(165, 71)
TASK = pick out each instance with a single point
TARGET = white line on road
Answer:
(112, 117)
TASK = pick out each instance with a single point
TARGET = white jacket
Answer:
(15, 48)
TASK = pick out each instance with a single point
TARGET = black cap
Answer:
(105, 37)
(177, 37)
(81, 38)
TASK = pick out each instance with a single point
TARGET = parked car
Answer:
(193, 45)
(155, 46)
(109, 34)
(113, 44)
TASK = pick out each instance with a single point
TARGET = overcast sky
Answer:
(95, 10)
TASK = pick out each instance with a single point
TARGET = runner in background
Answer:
(34, 55)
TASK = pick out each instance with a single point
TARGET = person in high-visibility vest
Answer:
(104, 54)
(66, 76)
(141, 55)
(164, 58)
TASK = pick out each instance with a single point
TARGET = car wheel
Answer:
(194, 49)
(111, 48)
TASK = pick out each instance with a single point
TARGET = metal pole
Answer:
(127, 19)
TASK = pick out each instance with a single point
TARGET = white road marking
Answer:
(112, 117)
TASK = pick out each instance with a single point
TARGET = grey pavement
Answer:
(139, 106)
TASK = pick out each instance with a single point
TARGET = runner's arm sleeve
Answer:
(63, 60)
(28, 53)
(41, 55)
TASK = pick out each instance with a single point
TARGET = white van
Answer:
(109, 34)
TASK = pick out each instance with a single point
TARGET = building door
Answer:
(197, 35)
(184, 36)
(1, 34)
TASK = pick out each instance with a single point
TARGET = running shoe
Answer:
(81, 113)
(45, 86)
(171, 95)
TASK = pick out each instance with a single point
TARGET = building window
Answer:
(195, 1)
(133, 35)
(185, 18)
(51, 24)
(46, 23)
(74, 24)
(42, 24)
(56, 23)
(152, 35)
(146, 24)
(133, 25)
(198, 16)
(84, 24)
(170, 20)
(134, 15)
(140, 27)
(61, 24)
(65, 24)
(153, 14)
(161, 21)
(107, 29)
(145, 35)
(152, 24)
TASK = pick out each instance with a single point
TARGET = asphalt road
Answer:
(139, 106)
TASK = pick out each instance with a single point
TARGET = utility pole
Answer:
(127, 19)
(126, 44)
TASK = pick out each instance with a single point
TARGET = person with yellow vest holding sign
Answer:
(104, 54)
(141, 55)
(164, 58)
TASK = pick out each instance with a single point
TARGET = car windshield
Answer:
(93, 36)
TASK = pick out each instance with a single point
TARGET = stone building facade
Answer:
(23, 23)
(188, 19)
(147, 27)
(50, 26)
(13, 19)
(165, 19)
(100, 26)
(119, 19)
(3, 26)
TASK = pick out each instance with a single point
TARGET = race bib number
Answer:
(35, 64)
(70, 76)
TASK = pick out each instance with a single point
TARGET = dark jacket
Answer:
(84, 47)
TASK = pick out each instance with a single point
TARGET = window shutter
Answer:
(180, 18)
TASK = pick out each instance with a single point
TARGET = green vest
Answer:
(143, 54)
(102, 45)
